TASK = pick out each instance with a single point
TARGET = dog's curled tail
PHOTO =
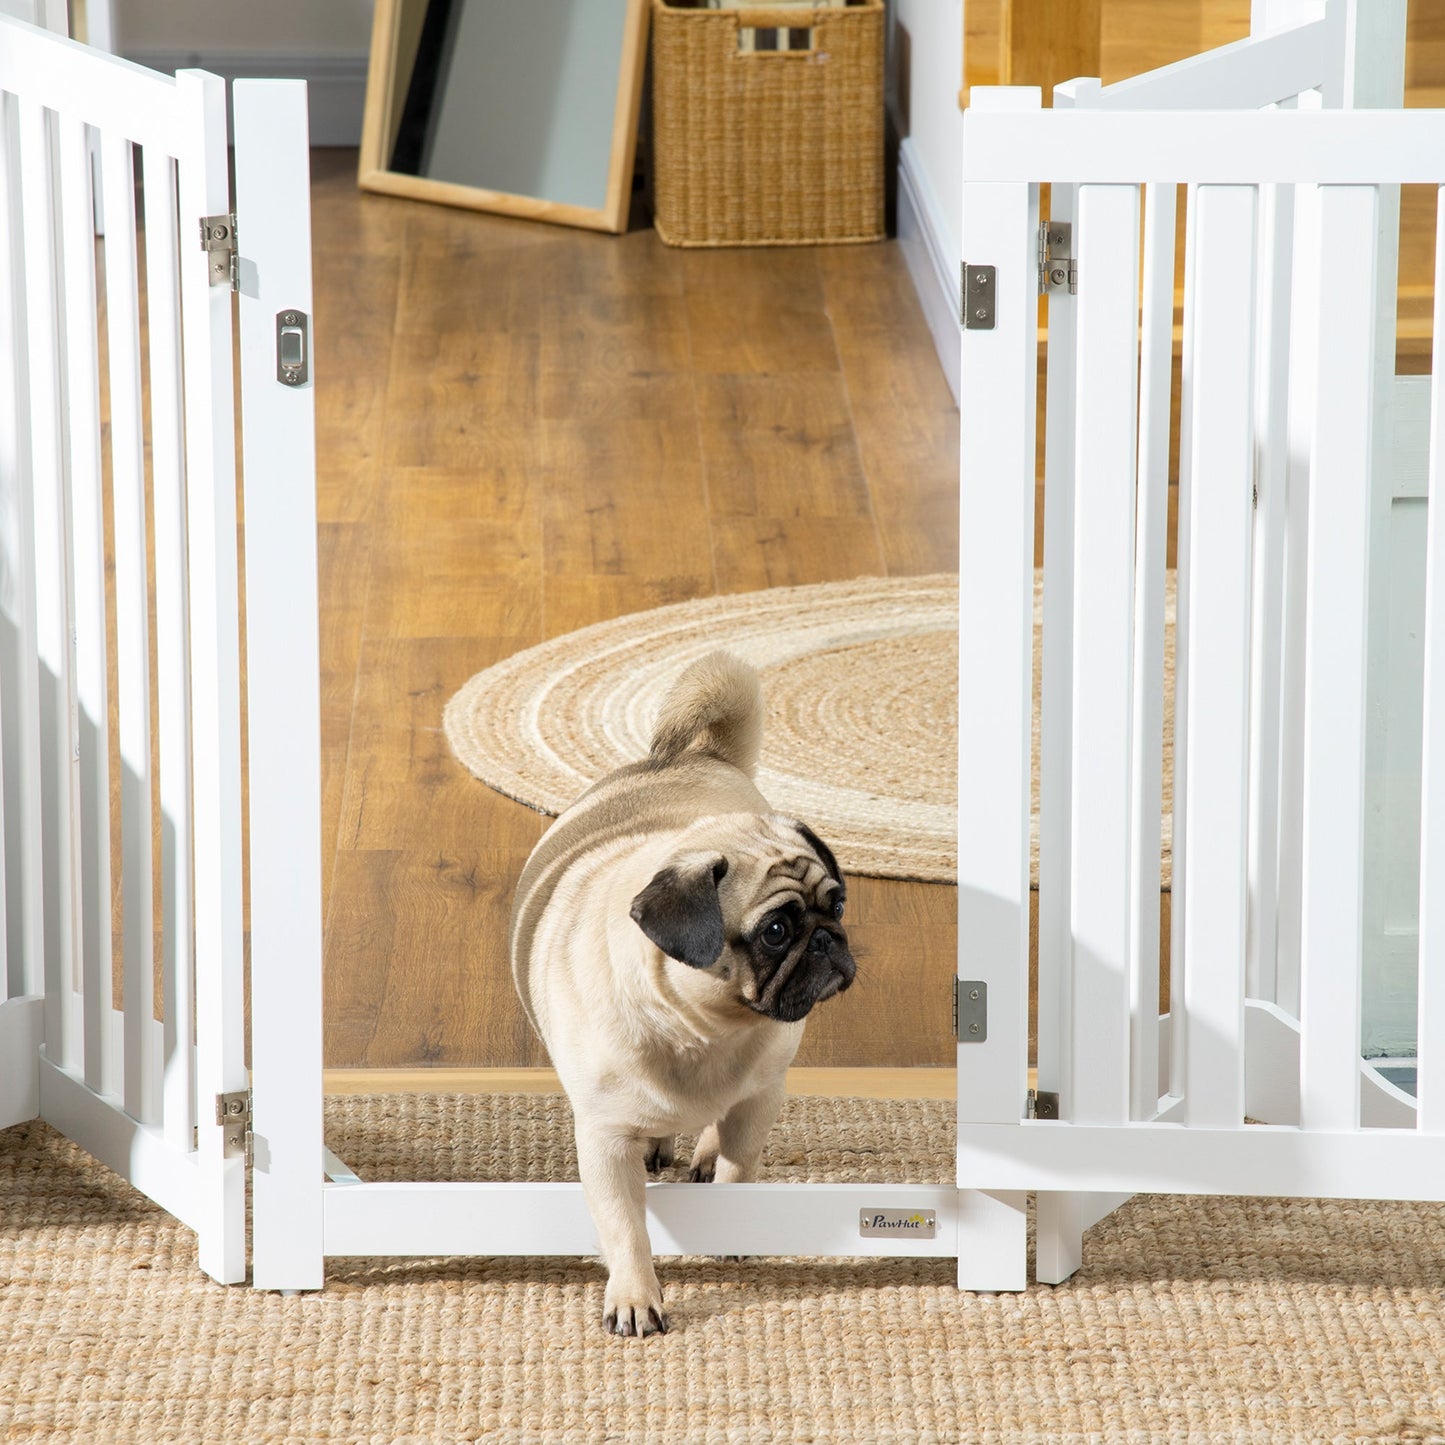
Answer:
(715, 707)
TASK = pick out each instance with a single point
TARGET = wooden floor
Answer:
(523, 429)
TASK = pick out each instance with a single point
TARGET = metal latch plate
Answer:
(293, 348)
(980, 287)
(970, 1010)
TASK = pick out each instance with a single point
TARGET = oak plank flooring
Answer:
(527, 429)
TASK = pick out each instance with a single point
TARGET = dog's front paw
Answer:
(659, 1154)
(633, 1311)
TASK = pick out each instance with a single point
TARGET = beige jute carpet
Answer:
(860, 680)
(1208, 1320)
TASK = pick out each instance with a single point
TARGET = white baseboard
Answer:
(336, 84)
(923, 235)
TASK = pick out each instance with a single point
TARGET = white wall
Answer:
(324, 42)
(925, 74)
(255, 27)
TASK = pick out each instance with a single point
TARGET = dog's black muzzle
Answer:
(823, 967)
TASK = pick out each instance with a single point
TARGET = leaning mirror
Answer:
(528, 109)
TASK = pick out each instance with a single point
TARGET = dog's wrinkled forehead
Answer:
(805, 872)
(792, 862)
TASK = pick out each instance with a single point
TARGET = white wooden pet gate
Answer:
(1288, 400)
(143, 1096)
(154, 490)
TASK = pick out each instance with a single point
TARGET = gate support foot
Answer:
(993, 1240)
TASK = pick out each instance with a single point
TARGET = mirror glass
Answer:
(534, 100)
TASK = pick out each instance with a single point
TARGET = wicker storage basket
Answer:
(761, 147)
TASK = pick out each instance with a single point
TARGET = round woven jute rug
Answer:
(1191, 1319)
(860, 680)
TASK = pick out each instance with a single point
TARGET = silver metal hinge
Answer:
(233, 1114)
(970, 1010)
(980, 283)
(1040, 1104)
(218, 239)
(1058, 270)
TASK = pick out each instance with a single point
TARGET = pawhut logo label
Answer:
(917, 1223)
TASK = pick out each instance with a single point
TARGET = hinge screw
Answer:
(973, 1028)
(973, 994)
(289, 318)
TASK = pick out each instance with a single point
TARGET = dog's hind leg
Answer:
(660, 1154)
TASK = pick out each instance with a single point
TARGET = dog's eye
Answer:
(775, 935)
(838, 909)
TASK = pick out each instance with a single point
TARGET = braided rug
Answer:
(1208, 1320)
(860, 680)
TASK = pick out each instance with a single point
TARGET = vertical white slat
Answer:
(1339, 20)
(9, 975)
(1105, 449)
(1268, 16)
(82, 393)
(53, 622)
(998, 386)
(1220, 401)
(1304, 344)
(132, 608)
(215, 673)
(283, 704)
(1179, 836)
(1430, 1088)
(23, 882)
(1059, 1217)
(1332, 900)
(1375, 78)
(1272, 374)
(1056, 662)
(1156, 366)
(163, 321)
(1082, 986)
(1056, 677)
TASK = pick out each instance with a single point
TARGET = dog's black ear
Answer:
(679, 910)
(824, 852)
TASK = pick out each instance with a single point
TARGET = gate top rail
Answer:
(1327, 147)
(1257, 71)
(101, 90)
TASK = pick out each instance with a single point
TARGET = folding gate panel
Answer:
(1142, 1109)
(136, 332)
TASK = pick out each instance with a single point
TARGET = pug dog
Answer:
(670, 934)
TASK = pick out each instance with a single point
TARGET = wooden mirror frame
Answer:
(382, 114)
